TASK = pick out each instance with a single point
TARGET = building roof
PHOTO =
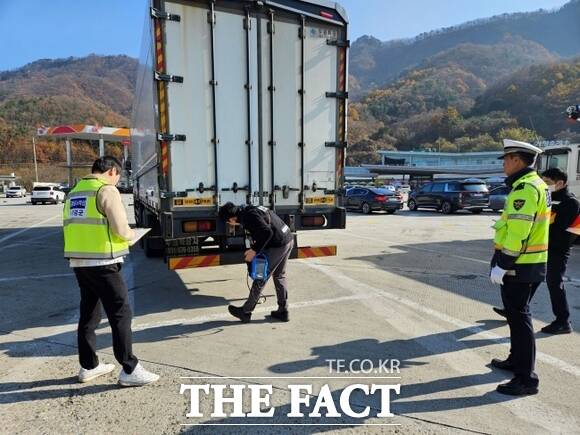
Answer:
(86, 132)
(438, 154)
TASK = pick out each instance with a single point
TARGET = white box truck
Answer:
(241, 101)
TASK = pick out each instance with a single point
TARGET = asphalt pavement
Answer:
(411, 288)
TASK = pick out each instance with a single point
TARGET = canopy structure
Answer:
(86, 132)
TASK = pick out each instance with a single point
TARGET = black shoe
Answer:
(502, 364)
(283, 316)
(557, 328)
(500, 311)
(516, 387)
(240, 314)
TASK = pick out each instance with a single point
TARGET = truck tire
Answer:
(150, 251)
(412, 205)
(447, 208)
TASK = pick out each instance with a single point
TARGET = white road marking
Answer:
(432, 251)
(31, 241)
(533, 409)
(226, 315)
(17, 233)
(348, 283)
(29, 277)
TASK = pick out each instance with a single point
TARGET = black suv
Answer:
(449, 196)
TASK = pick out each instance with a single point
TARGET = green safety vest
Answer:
(524, 226)
(87, 234)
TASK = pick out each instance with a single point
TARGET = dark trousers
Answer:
(516, 298)
(105, 284)
(555, 280)
(277, 260)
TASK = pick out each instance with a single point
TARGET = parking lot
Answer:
(412, 286)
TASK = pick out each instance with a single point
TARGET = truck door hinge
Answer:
(338, 43)
(336, 144)
(338, 95)
(162, 15)
(171, 137)
(167, 78)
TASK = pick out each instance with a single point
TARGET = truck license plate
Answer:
(192, 202)
(326, 200)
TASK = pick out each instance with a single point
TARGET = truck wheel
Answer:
(150, 251)
(447, 208)
(366, 208)
(412, 205)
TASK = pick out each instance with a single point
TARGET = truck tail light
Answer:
(380, 198)
(313, 221)
(198, 226)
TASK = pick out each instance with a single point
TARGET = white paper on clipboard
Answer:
(139, 232)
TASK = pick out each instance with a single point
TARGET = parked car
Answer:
(16, 192)
(368, 199)
(497, 197)
(47, 194)
(449, 196)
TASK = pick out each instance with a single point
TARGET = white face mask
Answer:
(552, 188)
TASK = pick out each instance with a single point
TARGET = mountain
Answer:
(448, 108)
(374, 63)
(89, 90)
(536, 96)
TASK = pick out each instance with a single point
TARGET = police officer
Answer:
(565, 209)
(269, 236)
(519, 262)
(96, 237)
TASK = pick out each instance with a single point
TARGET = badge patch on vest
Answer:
(519, 203)
(78, 207)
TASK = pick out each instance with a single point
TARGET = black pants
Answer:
(516, 298)
(104, 283)
(555, 279)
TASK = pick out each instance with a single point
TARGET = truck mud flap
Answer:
(176, 263)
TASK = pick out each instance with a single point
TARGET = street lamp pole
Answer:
(34, 154)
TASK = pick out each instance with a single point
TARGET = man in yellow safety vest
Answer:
(96, 237)
(519, 263)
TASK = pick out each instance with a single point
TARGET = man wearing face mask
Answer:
(565, 209)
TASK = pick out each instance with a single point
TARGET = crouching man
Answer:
(269, 235)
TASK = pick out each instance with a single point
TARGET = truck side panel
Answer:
(320, 117)
(188, 54)
(143, 133)
(287, 112)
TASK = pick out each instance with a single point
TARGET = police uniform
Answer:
(88, 239)
(519, 264)
(565, 209)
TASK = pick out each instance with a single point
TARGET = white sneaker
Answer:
(138, 378)
(88, 375)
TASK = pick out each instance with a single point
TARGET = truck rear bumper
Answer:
(225, 258)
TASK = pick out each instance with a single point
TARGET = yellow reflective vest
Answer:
(87, 234)
(521, 234)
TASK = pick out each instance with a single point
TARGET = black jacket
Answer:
(265, 227)
(565, 209)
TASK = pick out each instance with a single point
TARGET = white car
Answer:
(47, 194)
(16, 192)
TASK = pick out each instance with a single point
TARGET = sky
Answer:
(39, 29)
